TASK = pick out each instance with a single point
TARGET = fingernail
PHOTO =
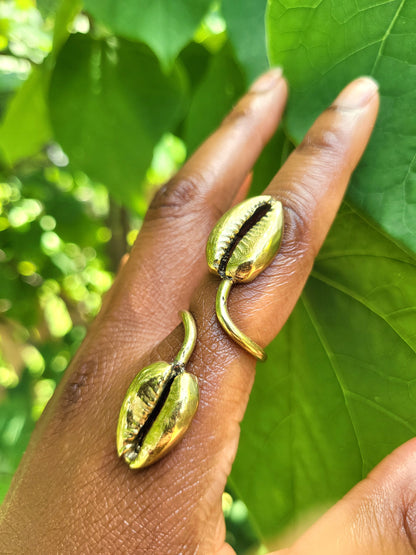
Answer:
(357, 94)
(267, 81)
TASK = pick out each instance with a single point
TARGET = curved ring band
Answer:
(228, 325)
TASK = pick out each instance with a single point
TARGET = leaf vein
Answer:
(373, 404)
(331, 359)
(386, 36)
(346, 291)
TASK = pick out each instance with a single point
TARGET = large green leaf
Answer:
(246, 29)
(163, 25)
(110, 103)
(25, 127)
(324, 44)
(338, 391)
(214, 96)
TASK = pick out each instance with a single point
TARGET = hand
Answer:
(71, 492)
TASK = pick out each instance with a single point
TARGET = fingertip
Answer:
(357, 94)
(399, 466)
(267, 81)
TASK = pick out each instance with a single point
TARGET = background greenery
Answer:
(100, 103)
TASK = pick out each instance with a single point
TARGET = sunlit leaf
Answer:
(323, 45)
(57, 316)
(25, 127)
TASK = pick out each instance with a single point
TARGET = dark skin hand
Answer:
(71, 492)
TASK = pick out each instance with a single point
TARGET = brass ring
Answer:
(159, 405)
(241, 245)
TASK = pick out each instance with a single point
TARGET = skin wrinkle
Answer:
(119, 515)
(325, 144)
(165, 530)
(408, 513)
(179, 527)
(116, 530)
(245, 114)
(329, 141)
(237, 120)
(180, 197)
(79, 380)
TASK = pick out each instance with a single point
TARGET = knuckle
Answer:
(298, 237)
(243, 119)
(329, 141)
(241, 112)
(390, 493)
(76, 389)
(404, 485)
(408, 517)
(175, 197)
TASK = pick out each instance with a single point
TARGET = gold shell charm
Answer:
(241, 245)
(159, 406)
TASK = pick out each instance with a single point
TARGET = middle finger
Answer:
(168, 259)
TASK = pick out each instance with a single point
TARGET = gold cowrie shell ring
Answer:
(159, 406)
(241, 245)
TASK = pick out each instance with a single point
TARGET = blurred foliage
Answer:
(66, 218)
(99, 105)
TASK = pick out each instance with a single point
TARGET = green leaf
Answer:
(25, 127)
(47, 8)
(16, 426)
(246, 30)
(338, 391)
(110, 104)
(65, 14)
(323, 45)
(165, 26)
(195, 59)
(214, 96)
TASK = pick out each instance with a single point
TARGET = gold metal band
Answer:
(229, 326)
(189, 340)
